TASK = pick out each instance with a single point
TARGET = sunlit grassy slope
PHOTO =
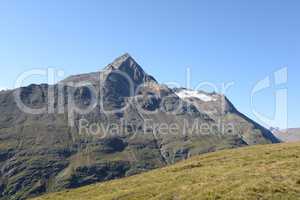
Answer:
(256, 173)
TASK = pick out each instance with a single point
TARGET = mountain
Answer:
(110, 124)
(221, 110)
(288, 135)
(257, 172)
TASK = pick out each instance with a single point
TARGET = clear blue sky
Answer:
(221, 41)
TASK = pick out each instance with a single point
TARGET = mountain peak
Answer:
(127, 64)
(124, 63)
(121, 60)
(125, 55)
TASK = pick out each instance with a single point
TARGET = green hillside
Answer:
(257, 172)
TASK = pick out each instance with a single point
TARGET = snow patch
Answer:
(3, 88)
(184, 94)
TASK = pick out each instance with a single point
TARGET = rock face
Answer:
(124, 123)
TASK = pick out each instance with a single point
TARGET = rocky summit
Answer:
(109, 124)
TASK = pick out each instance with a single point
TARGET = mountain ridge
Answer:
(287, 135)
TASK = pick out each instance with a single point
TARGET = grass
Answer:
(251, 173)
